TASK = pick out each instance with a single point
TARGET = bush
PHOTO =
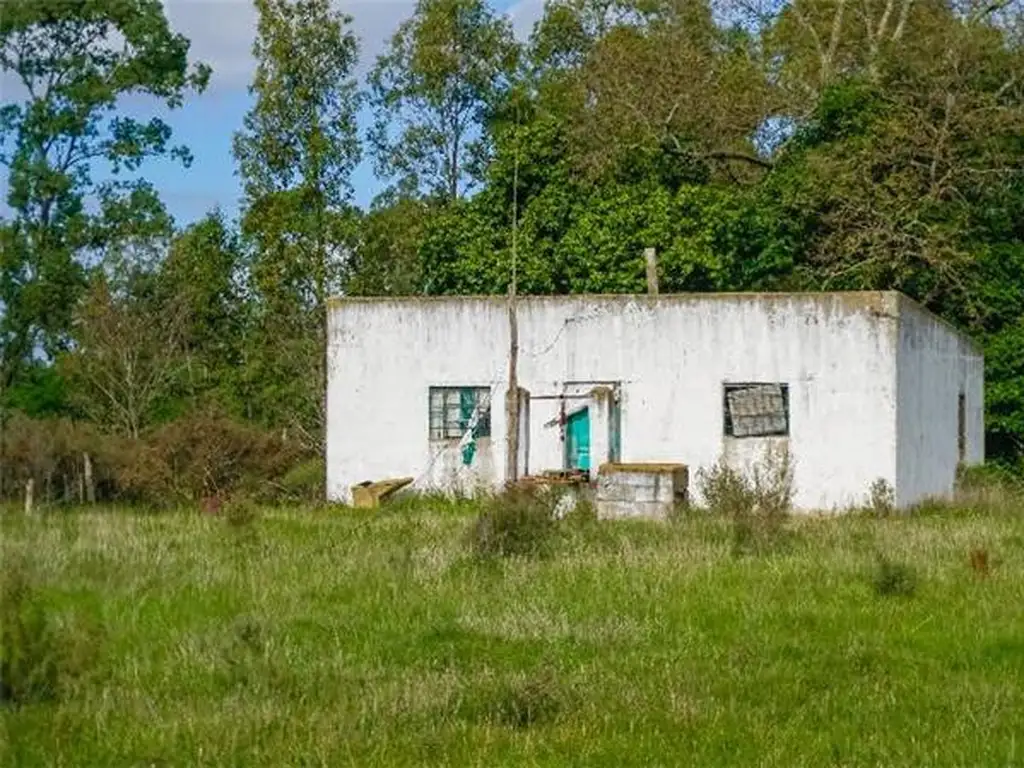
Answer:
(208, 455)
(52, 452)
(241, 513)
(989, 486)
(881, 498)
(29, 648)
(199, 456)
(725, 490)
(893, 579)
(519, 522)
(757, 503)
(305, 481)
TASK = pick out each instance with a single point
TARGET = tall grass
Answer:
(316, 637)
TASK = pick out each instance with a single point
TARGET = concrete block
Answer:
(647, 491)
(617, 510)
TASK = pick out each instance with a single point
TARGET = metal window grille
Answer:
(454, 410)
(756, 410)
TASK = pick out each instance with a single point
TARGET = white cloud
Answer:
(222, 31)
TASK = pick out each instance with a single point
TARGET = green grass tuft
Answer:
(894, 579)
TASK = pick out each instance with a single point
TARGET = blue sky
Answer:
(221, 32)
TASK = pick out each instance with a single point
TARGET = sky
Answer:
(221, 32)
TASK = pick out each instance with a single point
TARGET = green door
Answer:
(577, 441)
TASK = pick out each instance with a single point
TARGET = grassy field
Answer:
(341, 638)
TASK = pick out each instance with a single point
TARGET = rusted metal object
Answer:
(556, 478)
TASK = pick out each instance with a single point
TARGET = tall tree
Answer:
(905, 158)
(640, 78)
(387, 259)
(432, 91)
(127, 354)
(73, 62)
(296, 153)
(204, 270)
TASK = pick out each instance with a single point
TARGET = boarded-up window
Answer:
(454, 410)
(756, 410)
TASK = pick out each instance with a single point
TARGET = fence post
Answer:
(90, 489)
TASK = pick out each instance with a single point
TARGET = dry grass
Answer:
(344, 638)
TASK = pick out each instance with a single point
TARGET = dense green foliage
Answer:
(806, 145)
(268, 638)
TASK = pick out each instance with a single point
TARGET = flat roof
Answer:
(866, 296)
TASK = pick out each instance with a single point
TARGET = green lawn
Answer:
(341, 638)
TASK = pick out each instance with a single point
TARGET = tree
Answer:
(644, 78)
(75, 61)
(387, 261)
(204, 270)
(906, 174)
(902, 167)
(432, 91)
(569, 29)
(126, 356)
(296, 153)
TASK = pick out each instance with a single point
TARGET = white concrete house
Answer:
(860, 386)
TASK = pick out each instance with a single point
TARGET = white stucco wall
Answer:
(837, 353)
(935, 365)
(382, 358)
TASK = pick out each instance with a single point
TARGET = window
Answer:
(756, 410)
(453, 410)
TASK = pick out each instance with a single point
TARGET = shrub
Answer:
(757, 503)
(524, 704)
(725, 490)
(243, 653)
(989, 486)
(519, 522)
(881, 498)
(51, 452)
(29, 648)
(893, 579)
(208, 455)
(202, 455)
(305, 481)
(772, 480)
(980, 561)
(241, 513)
